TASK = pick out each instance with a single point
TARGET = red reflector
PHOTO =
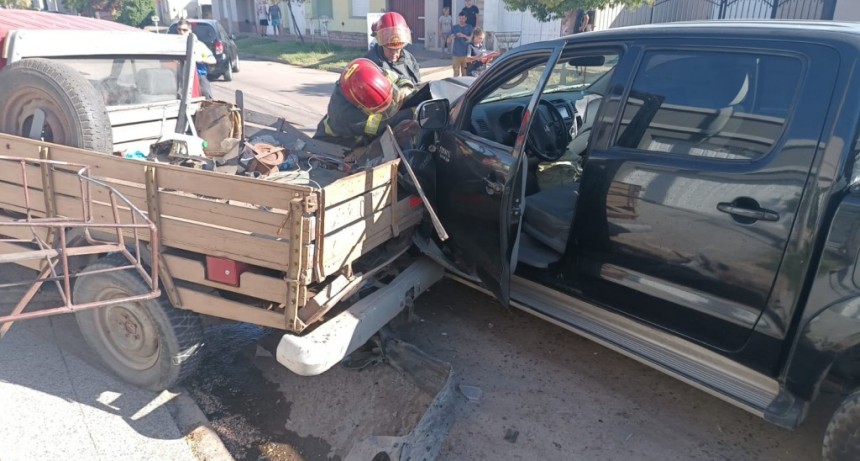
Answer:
(219, 48)
(223, 270)
(415, 202)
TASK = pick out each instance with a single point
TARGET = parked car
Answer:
(222, 44)
(686, 194)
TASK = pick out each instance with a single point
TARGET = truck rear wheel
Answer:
(150, 343)
(74, 112)
(842, 438)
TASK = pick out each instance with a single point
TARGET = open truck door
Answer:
(481, 166)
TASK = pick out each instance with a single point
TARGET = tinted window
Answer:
(723, 105)
(204, 32)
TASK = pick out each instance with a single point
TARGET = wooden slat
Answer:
(124, 115)
(254, 285)
(142, 130)
(346, 245)
(357, 208)
(20, 232)
(217, 306)
(243, 189)
(12, 248)
(356, 184)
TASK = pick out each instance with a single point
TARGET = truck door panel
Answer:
(686, 212)
(481, 179)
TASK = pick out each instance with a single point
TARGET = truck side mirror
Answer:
(433, 114)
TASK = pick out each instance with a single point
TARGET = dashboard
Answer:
(500, 121)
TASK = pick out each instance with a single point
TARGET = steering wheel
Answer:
(548, 138)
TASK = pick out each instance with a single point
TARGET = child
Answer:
(478, 57)
(445, 23)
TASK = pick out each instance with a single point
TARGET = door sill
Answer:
(687, 361)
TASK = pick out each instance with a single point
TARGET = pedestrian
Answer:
(445, 23)
(478, 56)
(461, 34)
(275, 17)
(263, 18)
(587, 24)
(389, 52)
(364, 102)
(471, 11)
(202, 56)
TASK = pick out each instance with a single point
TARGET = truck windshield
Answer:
(131, 80)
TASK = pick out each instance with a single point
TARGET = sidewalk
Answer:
(56, 403)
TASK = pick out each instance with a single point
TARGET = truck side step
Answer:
(325, 346)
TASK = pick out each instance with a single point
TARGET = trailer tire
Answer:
(149, 343)
(842, 437)
(74, 112)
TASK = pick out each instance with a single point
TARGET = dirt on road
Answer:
(545, 393)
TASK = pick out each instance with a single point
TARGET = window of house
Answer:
(360, 8)
(730, 106)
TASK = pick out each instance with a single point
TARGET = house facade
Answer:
(345, 21)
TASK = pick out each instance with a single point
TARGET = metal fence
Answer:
(688, 10)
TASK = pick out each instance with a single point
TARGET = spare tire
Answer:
(74, 112)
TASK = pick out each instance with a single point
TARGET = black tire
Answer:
(236, 64)
(228, 73)
(150, 344)
(75, 114)
(842, 438)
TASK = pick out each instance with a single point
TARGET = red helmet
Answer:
(392, 31)
(365, 85)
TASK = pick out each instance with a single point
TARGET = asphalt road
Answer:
(546, 393)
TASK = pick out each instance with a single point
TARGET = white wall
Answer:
(498, 19)
(847, 10)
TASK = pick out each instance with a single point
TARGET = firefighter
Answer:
(366, 99)
(389, 52)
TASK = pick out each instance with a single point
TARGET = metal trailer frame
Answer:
(42, 243)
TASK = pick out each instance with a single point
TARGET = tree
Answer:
(136, 13)
(549, 10)
(89, 7)
(19, 4)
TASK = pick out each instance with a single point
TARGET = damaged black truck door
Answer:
(481, 166)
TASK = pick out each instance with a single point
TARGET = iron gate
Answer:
(689, 10)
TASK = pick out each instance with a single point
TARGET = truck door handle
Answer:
(747, 209)
(492, 186)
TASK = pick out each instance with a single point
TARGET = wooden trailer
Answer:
(280, 255)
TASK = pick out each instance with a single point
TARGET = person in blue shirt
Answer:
(461, 34)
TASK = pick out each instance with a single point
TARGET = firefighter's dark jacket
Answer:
(407, 67)
(349, 126)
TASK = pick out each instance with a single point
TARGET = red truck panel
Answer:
(34, 20)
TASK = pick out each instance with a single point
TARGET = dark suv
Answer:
(686, 194)
(220, 42)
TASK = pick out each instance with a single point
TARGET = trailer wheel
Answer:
(74, 112)
(150, 343)
(842, 438)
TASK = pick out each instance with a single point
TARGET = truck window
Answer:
(728, 106)
(125, 80)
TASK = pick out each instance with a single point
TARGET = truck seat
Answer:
(156, 85)
(549, 215)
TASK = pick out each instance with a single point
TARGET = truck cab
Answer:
(681, 194)
(116, 79)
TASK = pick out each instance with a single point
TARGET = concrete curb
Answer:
(191, 421)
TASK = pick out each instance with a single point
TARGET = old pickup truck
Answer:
(139, 250)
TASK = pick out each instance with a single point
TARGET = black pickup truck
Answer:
(685, 194)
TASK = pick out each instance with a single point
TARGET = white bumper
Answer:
(328, 344)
